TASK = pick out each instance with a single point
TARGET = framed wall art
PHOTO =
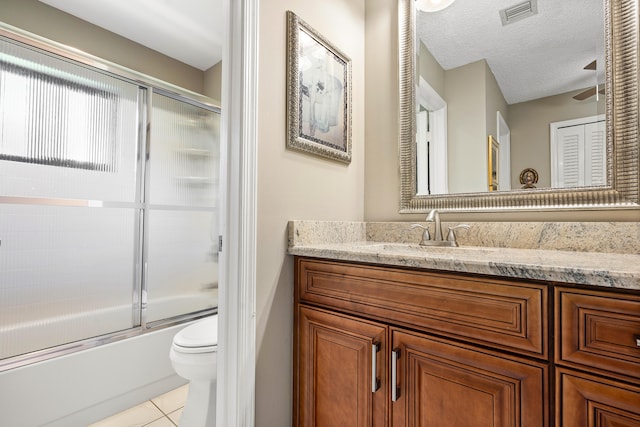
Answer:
(318, 93)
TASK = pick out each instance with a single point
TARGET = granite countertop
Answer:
(351, 241)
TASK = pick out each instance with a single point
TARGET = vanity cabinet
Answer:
(342, 370)
(393, 346)
(597, 358)
(442, 383)
(383, 346)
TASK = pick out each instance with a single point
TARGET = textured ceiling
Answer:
(190, 31)
(535, 57)
(539, 56)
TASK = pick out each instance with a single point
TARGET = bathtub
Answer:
(81, 387)
(106, 324)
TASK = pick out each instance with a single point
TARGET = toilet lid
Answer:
(203, 333)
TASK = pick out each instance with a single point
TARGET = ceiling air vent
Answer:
(519, 11)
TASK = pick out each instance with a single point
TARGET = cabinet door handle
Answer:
(395, 390)
(637, 338)
(375, 382)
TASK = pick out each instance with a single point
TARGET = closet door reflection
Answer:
(182, 216)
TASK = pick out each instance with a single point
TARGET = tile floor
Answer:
(161, 411)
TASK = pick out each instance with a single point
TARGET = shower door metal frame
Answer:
(144, 235)
(146, 85)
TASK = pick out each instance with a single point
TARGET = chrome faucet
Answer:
(434, 216)
(437, 239)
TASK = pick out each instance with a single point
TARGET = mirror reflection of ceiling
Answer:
(538, 56)
(190, 31)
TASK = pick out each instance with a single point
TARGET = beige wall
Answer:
(466, 128)
(430, 70)
(473, 98)
(213, 82)
(494, 102)
(295, 185)
(529, 124)
(381, 175)
(51, 23)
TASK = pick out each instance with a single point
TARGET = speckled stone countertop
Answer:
(579, 254)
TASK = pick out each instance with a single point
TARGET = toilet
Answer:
(194, 356)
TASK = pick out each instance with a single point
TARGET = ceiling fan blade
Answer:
(591, 65)
(585, 94)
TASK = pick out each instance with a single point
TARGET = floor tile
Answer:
(175, 416)
(137, 416)
(172, 400)
(162, 422)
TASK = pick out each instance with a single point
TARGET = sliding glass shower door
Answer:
(181, 218)
(108, 204)
(69, 201)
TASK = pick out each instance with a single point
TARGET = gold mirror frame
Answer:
(623, 157)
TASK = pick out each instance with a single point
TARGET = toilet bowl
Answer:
(194, 356)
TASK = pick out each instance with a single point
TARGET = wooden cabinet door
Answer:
(598, 331)
(335, 357)
(446, 384)
(588, 401)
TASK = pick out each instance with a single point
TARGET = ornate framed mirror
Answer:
(619, 185)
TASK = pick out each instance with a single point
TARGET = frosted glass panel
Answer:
(70, 273)
(66, 274)
(182, 193)
(66, 131)
(182, 269)
(184, 154)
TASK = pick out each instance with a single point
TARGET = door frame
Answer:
(437, 108)
(237, 300)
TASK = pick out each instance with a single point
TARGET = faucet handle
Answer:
(451, 236)
(425, 236)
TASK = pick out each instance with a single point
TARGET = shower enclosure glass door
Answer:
(108, 204)
(182, 224)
